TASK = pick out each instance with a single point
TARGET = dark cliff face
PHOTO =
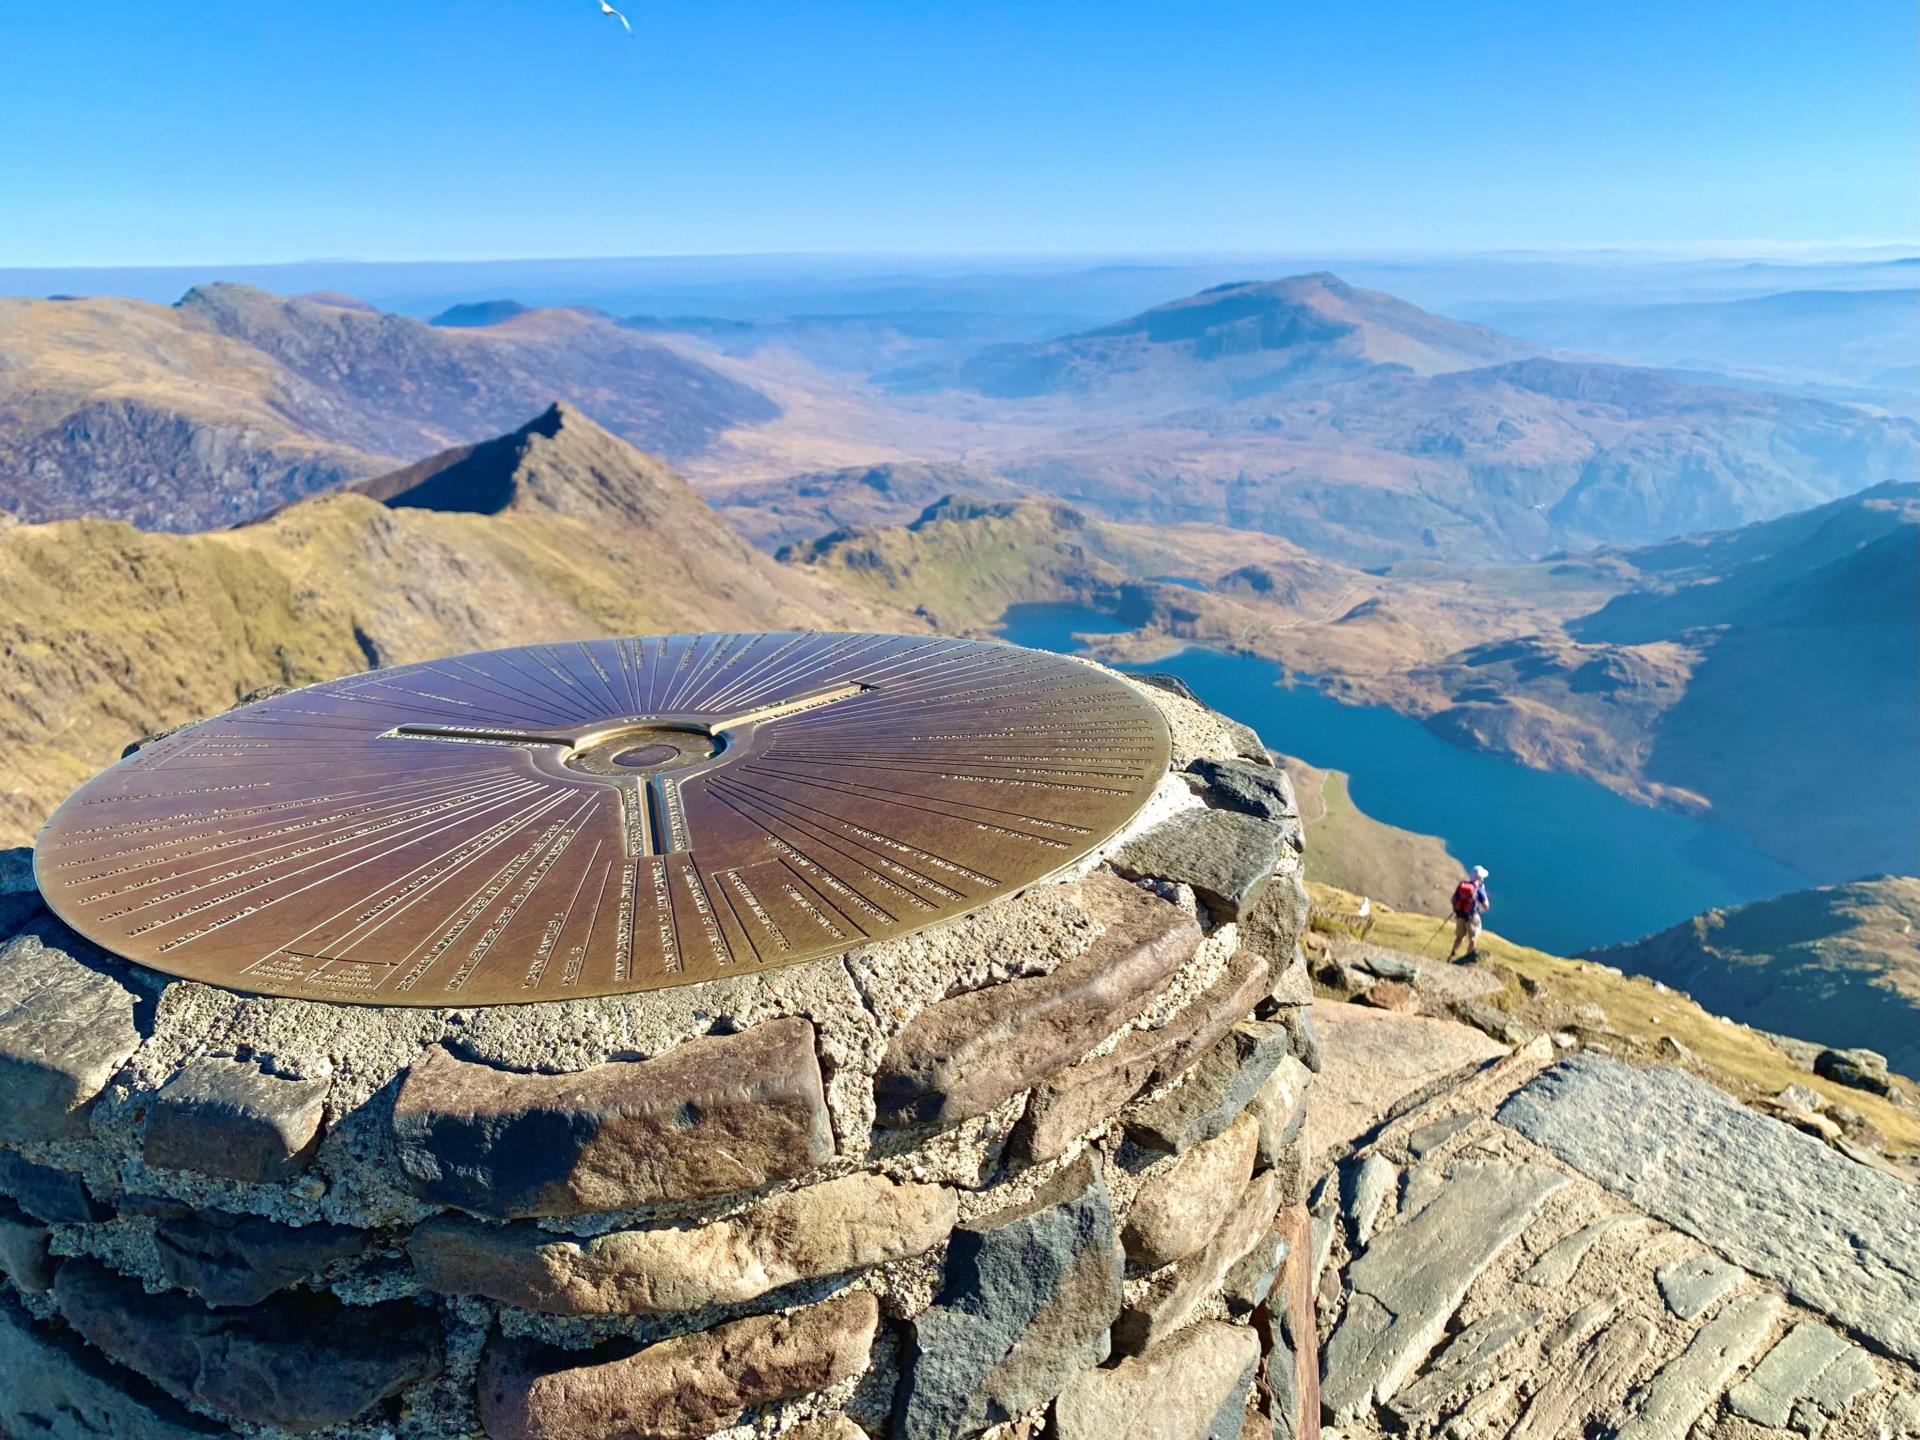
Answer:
(162, 470)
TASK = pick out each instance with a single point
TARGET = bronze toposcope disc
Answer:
(595, 818)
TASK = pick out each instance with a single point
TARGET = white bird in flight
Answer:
(606, 9)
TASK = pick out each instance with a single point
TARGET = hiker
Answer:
(1470, 902)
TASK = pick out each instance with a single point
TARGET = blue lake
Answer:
(1573, 864)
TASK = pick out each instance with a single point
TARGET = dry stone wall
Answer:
(1036, 1171)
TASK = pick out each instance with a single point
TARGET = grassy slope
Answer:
(1640, 1014)
(1350, 850)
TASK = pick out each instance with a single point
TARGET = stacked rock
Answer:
(1037, 1170)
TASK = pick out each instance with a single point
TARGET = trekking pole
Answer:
(1436, 934)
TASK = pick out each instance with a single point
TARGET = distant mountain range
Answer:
(233, 401)
(776, 513)
(1343, 419)
(1843, 337)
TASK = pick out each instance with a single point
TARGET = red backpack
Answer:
(1466, 898)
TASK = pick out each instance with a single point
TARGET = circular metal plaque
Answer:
(594, 818)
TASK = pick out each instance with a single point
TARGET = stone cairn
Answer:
(1035, 1172)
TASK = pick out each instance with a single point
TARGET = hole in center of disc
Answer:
(639, 757)
(643, 748)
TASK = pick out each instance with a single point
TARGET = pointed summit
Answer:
(560, 462)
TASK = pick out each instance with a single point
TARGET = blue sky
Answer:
(179, 132)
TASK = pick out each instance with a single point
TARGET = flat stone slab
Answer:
(1837, 1236)
(229, 1259)
(65, 1028)
(1667, 1405)
(1026, 1300)
(56, 1196)
(679, 1389)
(963, 1056)
(1221, 1084)
(1263, 791)
(1693, 1286)
(1805, 1381)
(715, 1115)
(299, 1363)
(827, 1229)
(1084, 1096)
(233, 1120)
(1225, 856)
(1408, 1281)
(1194, 1387)
(1171, 1297)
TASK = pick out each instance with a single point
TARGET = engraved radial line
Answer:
(498, 687)
(756, 673)
(465, 915)
(133, 829)
(256, 848)
(592, 658)
(455, 809)
(891, 799)
(373, 923)
(773, 801)
(563, 702)
(816, 841)
(894, 798)
(531, 811)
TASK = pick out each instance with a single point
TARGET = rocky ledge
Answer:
(1043, 1166)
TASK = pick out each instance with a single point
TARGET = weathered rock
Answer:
(1490, 1020)
(1389, 995)
(1808, 1379)
(1225, 856)
(1468, 1360)
(1252, 1277)
(1692, 1285)
(19, 895)
(826, 1229)
(1170, 1297)
(1176, 1212)
(298, 1362)
(1293, 1366)
(1194, 1387)
(715, 1115)
(1561, 1261)
(679, 1389)
(1221, 1084)
(1280, 1108)
(1369, 1185)
(1666, 1407)
(56, 1196)
(229, 1259)
(24, 1257)
(1423, 1140)
(1584, 1375)
(1304, 1038)
(65, 1028)
(1292, 985)
(1388, 966)
(1274, 926)
(963, 1056)
(1082, 1097)
(1838, 1236)
(1412, 1278)
(52, 1387)
(1263, 791)
(1026, 1301)
(1860, 1068)
(231, 1119)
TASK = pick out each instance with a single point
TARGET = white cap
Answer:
(1479, 872)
